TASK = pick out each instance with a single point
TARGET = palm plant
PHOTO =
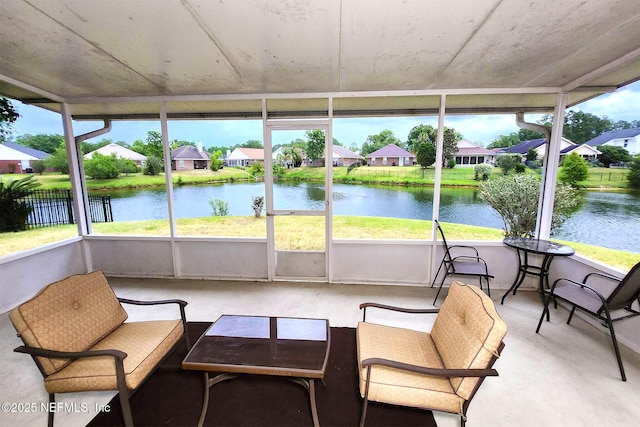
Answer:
(14, 212)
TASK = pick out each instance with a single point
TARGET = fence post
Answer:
(70, 207)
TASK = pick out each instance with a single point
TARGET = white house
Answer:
(470, 154)
(120, 152)
(629, 139)
(245, 156)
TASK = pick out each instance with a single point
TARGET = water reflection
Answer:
(603, 219)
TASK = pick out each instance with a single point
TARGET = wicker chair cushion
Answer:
(467, 333)
(70, 315)
(145, 343)
(399, 387)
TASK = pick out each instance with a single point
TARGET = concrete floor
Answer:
(565, 376)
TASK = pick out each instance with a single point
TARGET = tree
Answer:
(506, 162)
(420, 134)
(612, 154)
(574, 169)
(101, 166)
(8, 115)
(532, 155)
(314, 144)
(634, 172)
(580, 127)
(88, 147)
(216, 161)
(376, 142)
(43, 142)
(449, 146)
(59, 160)
(252, 143)
(154, 144)
(516, 199)
(504, 141)
(426, 155)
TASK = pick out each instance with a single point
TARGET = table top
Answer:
(281, 346)
(538, 246)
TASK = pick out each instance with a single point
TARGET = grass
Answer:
(599, 178)
(295, 233)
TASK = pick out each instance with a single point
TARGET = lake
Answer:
(604, 219)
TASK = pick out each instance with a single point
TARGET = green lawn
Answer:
(294, 233)
(599, 178)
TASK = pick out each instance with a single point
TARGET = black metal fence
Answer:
(55, 207)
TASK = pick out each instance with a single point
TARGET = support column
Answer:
(76, 175)
(550, 170)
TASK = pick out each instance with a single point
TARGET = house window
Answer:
(384, 160)
(626, 143)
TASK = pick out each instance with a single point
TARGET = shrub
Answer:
(482, 172)
(257, 205)
(220, 207)
(102, 167)
(14, 212)
(574, 169)
(216, 161)
(257, 169)
(520, 168)
(516, 200)
(506, 162)
(39, 166)
(153, 166)
(127, 166)
(634, 172)
(451, 163)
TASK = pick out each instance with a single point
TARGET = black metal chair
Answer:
(597, 303)
(461, 265)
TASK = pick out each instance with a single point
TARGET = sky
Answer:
(624, 104)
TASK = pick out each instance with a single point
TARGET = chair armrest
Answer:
(476, 258)
(158, 302)
(576, 284)
(441, 372)
(56, 354)
(603, 275)
(364, 306)
(473, 248)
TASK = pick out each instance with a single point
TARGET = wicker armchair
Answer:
(75, 330)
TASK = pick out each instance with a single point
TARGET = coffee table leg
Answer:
(310, 385)
(208, 383)
(312, 397)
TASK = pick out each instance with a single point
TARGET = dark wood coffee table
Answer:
(280, 346)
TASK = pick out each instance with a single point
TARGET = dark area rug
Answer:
(173, 397)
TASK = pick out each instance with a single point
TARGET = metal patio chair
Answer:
(594, 301)
(460, 265)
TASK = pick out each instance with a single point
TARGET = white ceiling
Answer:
(208, 58)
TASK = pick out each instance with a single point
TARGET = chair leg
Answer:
(488, 288)
(123, 393)
(615, 344)
(363, 416)
(573, 310)
(52, 400)
(440, 288)
(545, 310)
(437, 272)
